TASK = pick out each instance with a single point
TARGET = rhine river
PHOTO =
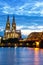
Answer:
(21, 56)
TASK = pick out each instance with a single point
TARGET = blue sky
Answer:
(21, 7)
(28, 14)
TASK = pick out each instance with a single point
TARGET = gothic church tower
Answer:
(7, 29)
(8, 24)
(13, 24)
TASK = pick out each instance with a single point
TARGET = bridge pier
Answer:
(37, 44)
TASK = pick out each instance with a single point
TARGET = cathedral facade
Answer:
(10, 31)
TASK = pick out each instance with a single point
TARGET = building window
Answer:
(8, 25)
(11, 34)
(8, 35)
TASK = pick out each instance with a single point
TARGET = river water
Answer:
(21, 56)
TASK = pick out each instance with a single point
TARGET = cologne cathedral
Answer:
(10, 31)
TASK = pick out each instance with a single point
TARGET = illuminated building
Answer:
(10, 31)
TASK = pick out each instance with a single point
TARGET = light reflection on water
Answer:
(36, 56)
(21, 56)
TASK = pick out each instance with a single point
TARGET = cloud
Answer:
(38, 4)
(24, 6)
(35, 8)
(32, 27)
(1, 29)
(8, 10)
(19, 27)
(28, 8)
(29, 29)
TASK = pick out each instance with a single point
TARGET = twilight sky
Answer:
(28, 14)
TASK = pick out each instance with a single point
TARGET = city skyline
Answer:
(28, 15)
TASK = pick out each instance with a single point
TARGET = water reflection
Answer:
(36, 56)
(21, 56)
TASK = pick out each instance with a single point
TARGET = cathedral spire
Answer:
(8, 24)
(8, 19)
(13, 19)
(13, 24)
